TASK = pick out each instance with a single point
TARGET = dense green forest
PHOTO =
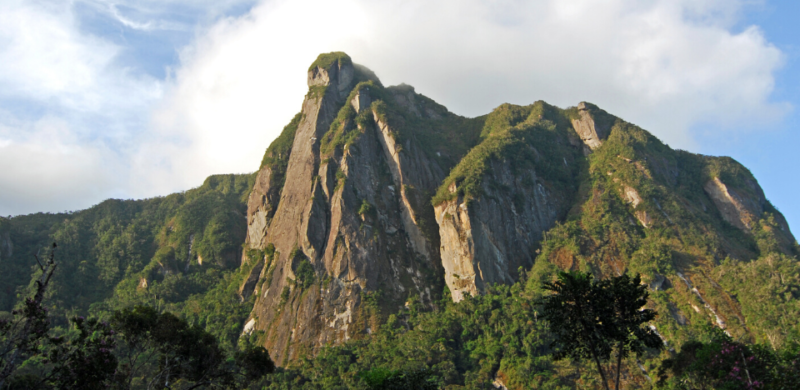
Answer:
(179, 253)
(505, 336)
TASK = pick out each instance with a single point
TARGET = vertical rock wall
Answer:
(350, 217)
(485, 240)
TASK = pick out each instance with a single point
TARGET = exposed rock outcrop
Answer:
(485, 240)
(737, 210)
(352, 215)
(358, 214)
(591, 130)
(261, 207)
(249, 283)
(746, 208)
(631, 196)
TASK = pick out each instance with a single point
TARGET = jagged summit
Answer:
(375, 195)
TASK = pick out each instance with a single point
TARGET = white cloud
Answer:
(44, 57)
(242, 82)
(153, 15)
(68, 116)
(50, 169)
(666, 65)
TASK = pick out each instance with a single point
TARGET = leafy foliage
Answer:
(723, 363)
(588, 318)
(86, 360)
(305, 274)
(381, 379)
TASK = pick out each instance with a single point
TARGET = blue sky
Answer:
(771, 152)
(132, 99)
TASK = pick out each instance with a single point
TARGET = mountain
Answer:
(373, 195)
(376, 204)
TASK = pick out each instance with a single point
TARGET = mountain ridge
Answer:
(376, 199)
(517, 173)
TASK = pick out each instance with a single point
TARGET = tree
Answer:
(83, 359)
(384, 379)
(171, 353)
(589, 317)
(23, 334)
(627, 297)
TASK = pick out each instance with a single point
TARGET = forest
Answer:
(554, 334)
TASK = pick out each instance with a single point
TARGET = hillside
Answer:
(402, 235)
(179, 252)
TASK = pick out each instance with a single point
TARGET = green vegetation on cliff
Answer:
(443, 136)
(348, 125)
(533, 137)
(276, 158)
(325, 60)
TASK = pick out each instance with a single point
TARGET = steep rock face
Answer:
(745, 207)
(345, 227)
(591, 129)
(297, 215)
(737, 210)
(368, 216)
(424, 175)
(487, 233)
(485, 241)
(261, 206)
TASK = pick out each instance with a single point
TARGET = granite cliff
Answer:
(376, 195)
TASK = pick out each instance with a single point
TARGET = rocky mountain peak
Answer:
(332, 69)
(592, 125)
(376, 195)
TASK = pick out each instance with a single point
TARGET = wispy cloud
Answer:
(68, 116)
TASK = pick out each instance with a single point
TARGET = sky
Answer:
(133, 99)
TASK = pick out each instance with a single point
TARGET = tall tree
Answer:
(627, 297)
(589, 317)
